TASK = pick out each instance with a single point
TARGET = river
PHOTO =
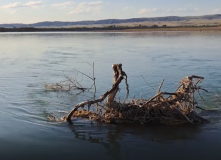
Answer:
(31, 60)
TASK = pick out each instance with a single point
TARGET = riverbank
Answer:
(176, 29)
(112, 29)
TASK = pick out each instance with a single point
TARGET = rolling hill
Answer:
(175, 19)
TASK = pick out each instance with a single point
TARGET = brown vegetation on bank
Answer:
(113, 28)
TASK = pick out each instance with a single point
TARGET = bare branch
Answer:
(161, 85)
(148, 84)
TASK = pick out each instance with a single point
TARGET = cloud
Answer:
(62, 5)
(12, 12)
(19, 4)
(33, 4)
(186, 9)
(148, 10)
(12, 5)
(126, 8)
(88, 7)
(217, 10)
(144, 10)
(180, 9)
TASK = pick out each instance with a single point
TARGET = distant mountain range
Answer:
(112, 21)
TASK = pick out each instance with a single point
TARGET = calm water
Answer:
(30, 60)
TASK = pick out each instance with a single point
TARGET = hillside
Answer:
(174, 20)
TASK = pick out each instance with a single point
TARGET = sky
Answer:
(25, 11)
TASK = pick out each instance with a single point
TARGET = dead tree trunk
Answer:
(177, 108)
(119, 75)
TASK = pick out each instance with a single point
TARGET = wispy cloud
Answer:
(146, 10)
(168, 10)
(13, 5)
(126, 8)
(88, 7)
(180, 9)
(33, 4)
(19, 4)
(62, 5)
(217, 10)
(13, 12)
(186, 9)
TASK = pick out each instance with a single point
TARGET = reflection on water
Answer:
(29, 60)
(124, 141)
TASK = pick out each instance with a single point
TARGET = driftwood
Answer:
(165, 108)
(118, 77)
(71, 83)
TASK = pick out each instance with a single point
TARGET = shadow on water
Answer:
(116, 139)
(126, 140)
(213, 115)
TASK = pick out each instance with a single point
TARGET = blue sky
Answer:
(25, 11)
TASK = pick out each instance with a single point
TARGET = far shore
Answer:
(117, 29)
(176, 29)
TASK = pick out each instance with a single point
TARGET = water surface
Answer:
(30, 60)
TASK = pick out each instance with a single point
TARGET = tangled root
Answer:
(163, 108)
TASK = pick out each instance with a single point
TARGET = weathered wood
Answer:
(118, 77)
(177, 108)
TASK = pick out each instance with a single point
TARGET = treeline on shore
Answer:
(108, 28)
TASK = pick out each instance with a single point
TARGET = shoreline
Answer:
(128, 29)
(176, 29)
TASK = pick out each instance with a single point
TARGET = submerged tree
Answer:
(164, 108)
